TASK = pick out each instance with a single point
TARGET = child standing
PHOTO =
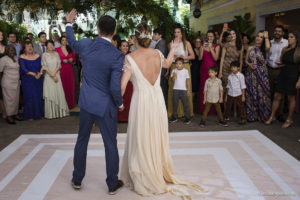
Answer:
(235, 92)
(181, 90)
(213, 95)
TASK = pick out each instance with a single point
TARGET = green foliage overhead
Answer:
(244, 25)
(18, 29)
(127, 13)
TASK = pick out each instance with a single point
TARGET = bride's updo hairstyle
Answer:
(143, 34)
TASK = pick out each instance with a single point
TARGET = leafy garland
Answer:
(126, 12)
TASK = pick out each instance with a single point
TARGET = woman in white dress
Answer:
(147, 166)
(54, 97)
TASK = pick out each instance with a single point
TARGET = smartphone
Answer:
(206, 42)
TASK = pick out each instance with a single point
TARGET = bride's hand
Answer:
(121, 108)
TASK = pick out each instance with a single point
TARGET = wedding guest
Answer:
(288, 80)
(162, 46)
(124, 47)
(2, 44)
(195, 68)
(181, 90)
(10, 84)
(213, 95)
(277, 44)
(123, 115)
(54, 97)
(12, 39)
(32, 83)
(30, 36)
(217, 35)
(258, 101)
(209, 55)
(245, 46)
(225, 36)
(116, 40)
(67, 57)
(185, 51)
(2, 53)
(40, 48)
(153, 43)
(231, 51)
(235, 92)
(56, 36)
(195, 72)
(131, 43)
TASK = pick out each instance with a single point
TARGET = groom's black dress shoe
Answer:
(76, 185)
(115, 189)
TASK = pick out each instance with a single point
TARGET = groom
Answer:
(100, 97)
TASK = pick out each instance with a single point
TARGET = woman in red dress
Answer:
(123, 116)
(67, 57)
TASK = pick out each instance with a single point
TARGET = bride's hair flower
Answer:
(144, 34)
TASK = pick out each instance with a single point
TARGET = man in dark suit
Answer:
(100, 97)
(40, 48)
(162, 46)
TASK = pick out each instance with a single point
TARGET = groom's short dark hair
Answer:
(107, 25)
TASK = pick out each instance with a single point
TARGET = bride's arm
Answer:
(125, 76)
(168, 62)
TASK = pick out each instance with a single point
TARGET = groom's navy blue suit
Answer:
(100, 97)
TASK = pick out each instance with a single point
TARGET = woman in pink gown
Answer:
(209, 55)
(67, 57)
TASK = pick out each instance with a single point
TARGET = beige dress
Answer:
(180, 51)
(55, 103)
(10, 84)
(147, 166)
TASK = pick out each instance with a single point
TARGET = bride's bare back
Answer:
(149, 62)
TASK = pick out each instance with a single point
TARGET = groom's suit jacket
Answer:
(102, 69)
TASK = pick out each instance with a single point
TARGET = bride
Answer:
(147, 166)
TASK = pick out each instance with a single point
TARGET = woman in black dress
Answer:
(289, 78)
(195, 70)
(2, 53)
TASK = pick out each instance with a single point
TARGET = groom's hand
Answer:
(71, 15)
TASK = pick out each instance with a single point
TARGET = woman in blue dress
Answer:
(32, 83)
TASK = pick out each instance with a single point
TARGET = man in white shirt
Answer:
(235, 92)
(277, 44)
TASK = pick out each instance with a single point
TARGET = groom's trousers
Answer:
(108, 129)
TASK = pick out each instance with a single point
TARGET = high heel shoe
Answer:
(10, 120)
(18, 117)
(269, 121)
(288, 123)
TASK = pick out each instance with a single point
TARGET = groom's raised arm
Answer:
(115, 79)
(77, 46)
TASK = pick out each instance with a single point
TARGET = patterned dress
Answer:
(232, 54)
(258, 101)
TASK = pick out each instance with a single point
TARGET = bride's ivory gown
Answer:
(147, 166)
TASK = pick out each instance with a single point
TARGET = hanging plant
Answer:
(244, 25)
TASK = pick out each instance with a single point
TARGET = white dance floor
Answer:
(231, 165)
